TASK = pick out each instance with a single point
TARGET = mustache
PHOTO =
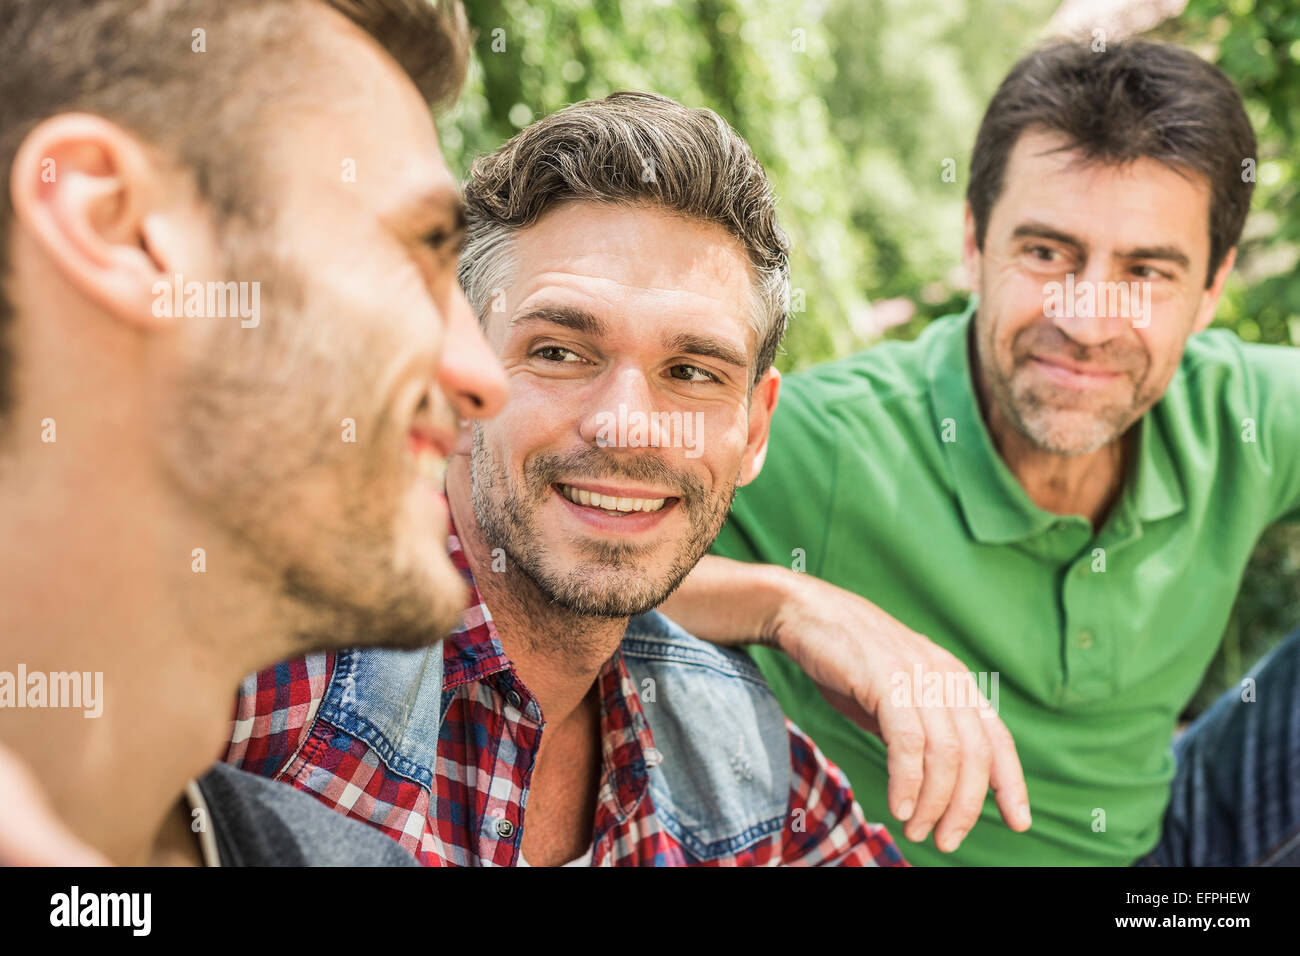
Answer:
(1046, 339)
(594, 464)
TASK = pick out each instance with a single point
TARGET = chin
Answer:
(1067, 434)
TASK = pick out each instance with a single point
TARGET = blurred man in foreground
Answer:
(230, 374)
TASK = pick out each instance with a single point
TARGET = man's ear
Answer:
(87, 194)
(761, 406)
(1210, 298)
(970, 252)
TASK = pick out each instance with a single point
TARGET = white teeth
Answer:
(593, 499)
(429, 465)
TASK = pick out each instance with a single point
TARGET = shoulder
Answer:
(258, 822)
(653, 639)
(737, 780)
(877, 378)
(1244, 394)
(723, 781)
(1218, 360)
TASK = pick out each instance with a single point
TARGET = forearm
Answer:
(730, 602)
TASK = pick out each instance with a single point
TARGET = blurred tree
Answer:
(1257, 44)
(856, 136)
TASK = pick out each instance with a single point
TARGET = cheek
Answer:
(716, 446)
(530, 423)
(1163, 348)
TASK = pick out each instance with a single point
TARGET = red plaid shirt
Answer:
(474, 813)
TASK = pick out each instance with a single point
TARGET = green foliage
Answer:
(1257, 44)
(857, 108)
(854, 135)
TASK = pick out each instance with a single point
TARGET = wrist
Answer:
(779, 592)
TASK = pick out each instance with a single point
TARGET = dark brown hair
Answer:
(1136, 99)
(133, 63)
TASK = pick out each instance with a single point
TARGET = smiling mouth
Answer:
(1075, 373)
(610, 505)
(430, 463)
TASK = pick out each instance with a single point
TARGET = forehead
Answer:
(356, 128)
(1138, 203)
(634, 262)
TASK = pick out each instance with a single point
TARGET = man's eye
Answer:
(554, 353)
(445, 241)
(1148, 272)
(1042, 253)
(692, 373)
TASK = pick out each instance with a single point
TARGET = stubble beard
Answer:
(248, 434)
(1039, 414)
(611, 581)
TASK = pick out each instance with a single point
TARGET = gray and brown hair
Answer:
(630, 149)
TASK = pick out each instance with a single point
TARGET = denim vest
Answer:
(721, 779)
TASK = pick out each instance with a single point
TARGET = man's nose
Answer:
(1093, 313)
(469, 372)
(624, 392)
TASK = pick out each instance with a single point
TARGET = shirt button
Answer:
(1085, 639)
(515, 699)
(505, 829)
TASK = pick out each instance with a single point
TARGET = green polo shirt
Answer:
(882, 479)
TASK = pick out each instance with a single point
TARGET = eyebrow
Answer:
(570, 318)
(1164, 253)
(442, 209)
(585, 323)
(689, 344)
(1040, 231)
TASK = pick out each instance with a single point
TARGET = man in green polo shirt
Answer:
(1059, 487)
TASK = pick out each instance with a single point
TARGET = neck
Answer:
(99, 585)
(1088, 484)
(558, 654)
(1066, 485)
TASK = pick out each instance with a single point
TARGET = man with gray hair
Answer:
(627, 267)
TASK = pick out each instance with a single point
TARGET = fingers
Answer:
(972, 785)
(904, 737)
(1007, 777)
(943, 756)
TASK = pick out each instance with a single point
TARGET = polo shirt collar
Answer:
(996, 508)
